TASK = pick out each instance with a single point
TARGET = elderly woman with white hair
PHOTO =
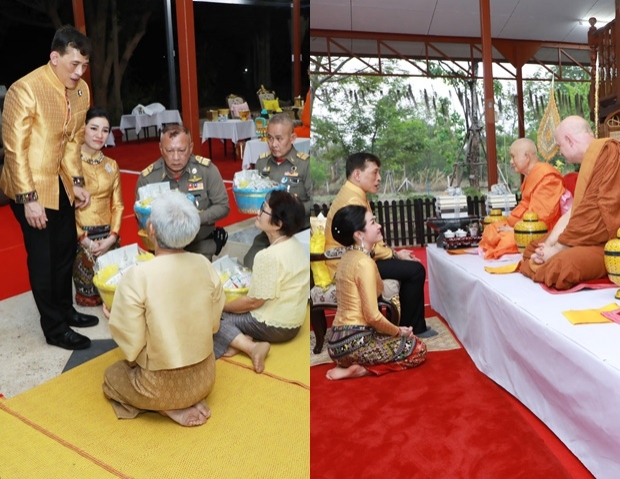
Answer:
(165, 313)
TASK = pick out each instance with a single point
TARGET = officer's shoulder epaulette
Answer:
(147, 171)
(302, 156)
(202, 160)
(264, 155)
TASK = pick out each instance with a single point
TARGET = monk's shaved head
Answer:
(523, 155)
(575, 125)
(573, 135)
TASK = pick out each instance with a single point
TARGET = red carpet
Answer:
(442, 420)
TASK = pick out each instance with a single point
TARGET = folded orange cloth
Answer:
(506, 269)
(589, 316)
(461, 251)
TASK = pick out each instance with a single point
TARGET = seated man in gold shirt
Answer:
(541, 192)
(363, 176)
(574, 250)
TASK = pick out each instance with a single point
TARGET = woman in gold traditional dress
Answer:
(99, 224)
(362, 341)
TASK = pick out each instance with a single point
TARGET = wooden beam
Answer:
(517, 54)
(79, 22)
(520, 109)
(296, 48)
(187, 69)
(489, 100)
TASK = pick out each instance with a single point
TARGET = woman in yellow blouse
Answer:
(275, 307)
(98, 225)
(362, 341)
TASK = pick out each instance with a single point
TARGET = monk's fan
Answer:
(612, 261)
(528, 230)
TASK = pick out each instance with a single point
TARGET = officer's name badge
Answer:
(196, 186)
(292, 172)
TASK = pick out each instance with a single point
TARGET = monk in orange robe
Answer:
(541, 192)
(574, 251)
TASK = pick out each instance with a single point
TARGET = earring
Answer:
(363, 249)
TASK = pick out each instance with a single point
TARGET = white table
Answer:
(233, 130)
(137, 122)
(514, 331)
(255, 148)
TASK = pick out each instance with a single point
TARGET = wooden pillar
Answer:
(296, 48)
(489, 101)
(187, 69)
(79, 22)
(520, 110)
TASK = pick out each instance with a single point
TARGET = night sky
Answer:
(227, 39)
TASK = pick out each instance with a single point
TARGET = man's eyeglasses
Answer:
(262, 210)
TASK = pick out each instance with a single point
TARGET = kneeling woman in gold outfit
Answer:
(98, 224)
(362, 341)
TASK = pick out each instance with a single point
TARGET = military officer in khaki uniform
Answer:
(289, 167)
(191, 174)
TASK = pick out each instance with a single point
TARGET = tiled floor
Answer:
(27, 360)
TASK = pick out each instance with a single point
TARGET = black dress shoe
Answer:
(81, 320)
(69, 340)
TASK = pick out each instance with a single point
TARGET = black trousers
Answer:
(411, 275)
(51, 253)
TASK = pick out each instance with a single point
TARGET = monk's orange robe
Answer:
(540, 192)
(594, 220)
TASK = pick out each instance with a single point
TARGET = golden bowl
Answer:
(244, 115)
(495, 215)
(530, 228)
(612, 261)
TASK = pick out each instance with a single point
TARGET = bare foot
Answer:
(195, 415)
(353, 371)
(230, 352)
(203, 408)
(259, 353)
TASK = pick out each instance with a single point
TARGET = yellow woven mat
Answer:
(260, 427)
(287, 360)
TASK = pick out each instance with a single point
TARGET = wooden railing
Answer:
(604, 44)
(404, 221)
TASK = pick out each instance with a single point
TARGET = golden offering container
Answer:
(530, 228)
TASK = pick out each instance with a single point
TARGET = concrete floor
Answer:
(27, 360)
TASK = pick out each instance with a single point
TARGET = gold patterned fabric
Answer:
(35, 122)
(358, 285)
(103, 182)
(547, 147)
(133, 390)
(166, 311)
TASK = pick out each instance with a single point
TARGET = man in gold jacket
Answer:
(42, 130)
(363, 176)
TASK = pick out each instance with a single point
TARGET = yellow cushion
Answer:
(271, 105)
(320, 273)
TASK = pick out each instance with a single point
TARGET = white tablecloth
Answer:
(143, 121)
(234, 130)
(568, 375)
(255, 148)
